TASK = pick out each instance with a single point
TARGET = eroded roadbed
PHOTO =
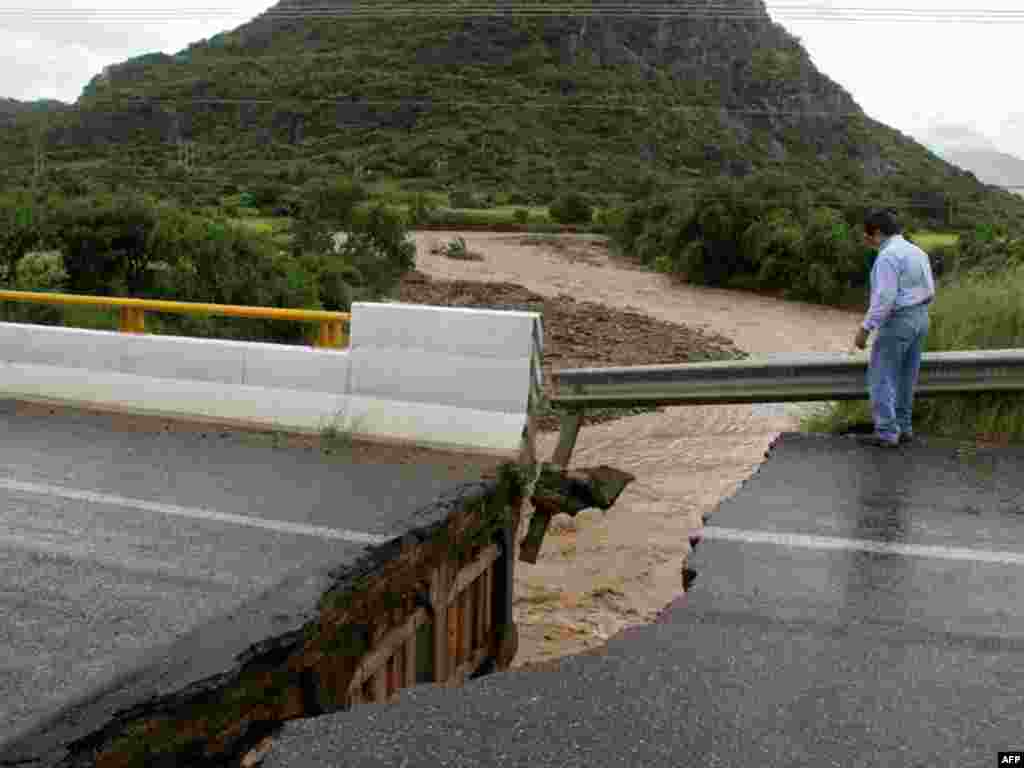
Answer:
(853, 607)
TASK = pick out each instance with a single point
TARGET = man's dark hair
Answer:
(881, 221)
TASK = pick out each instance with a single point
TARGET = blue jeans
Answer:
(892, 373)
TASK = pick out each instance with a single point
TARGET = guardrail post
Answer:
(331, 334)
(133, 320)
(529, 548)
(323, 338)
(567, 438)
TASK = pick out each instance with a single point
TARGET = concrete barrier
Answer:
(442, 375)
(435, 376)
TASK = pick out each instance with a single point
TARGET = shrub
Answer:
(38, 271)
(572, 208)
(458, 250)
(41, 271)
(986, 251)
(378, 250)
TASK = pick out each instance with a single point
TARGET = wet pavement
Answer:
(114, 542)
(853, 607)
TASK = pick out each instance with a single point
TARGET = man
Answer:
(902, 287)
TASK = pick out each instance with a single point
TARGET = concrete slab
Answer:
(437, 378)
(463, 331)
(279, 366)
(115, 541)
(84, 350)
(853, 608)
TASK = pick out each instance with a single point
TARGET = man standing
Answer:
(902, 287)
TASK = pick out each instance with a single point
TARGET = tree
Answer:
(20, 232)
(357, 251)
(106, 242)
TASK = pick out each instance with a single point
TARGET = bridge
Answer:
(178, 561)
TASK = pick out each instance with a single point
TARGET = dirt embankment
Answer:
(599, 573)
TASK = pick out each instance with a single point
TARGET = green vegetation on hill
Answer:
(512, 111)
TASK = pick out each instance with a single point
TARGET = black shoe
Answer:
(906, 439)
(877, 442)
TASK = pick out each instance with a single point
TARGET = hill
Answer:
(519, 108)
(10, 108)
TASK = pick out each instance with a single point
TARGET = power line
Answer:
(651, 10)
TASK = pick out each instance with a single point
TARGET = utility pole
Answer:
(187, 159)
(40, 166)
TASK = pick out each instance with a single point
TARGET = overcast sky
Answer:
(945, 83)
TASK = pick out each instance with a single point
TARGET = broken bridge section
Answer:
(854, 607)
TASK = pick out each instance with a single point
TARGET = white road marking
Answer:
(807, 541)
(279, 526)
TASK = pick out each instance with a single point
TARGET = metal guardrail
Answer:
(133, 311)
(778, 379)
(774, 379)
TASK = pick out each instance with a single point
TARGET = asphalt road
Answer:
(115, 542)
(853, 608)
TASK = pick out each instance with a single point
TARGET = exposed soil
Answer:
(600, 573)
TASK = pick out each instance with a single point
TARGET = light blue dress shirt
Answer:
(902, 277)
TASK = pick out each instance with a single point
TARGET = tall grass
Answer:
(976, 312)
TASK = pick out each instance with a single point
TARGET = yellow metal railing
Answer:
(133, 312)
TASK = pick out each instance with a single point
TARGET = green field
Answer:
(928, 240)
(266, 225)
